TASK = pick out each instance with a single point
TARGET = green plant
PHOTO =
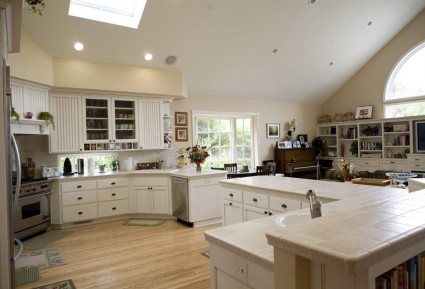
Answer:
(354, 148)
(36, 6)
(47, 117)
(13, 113)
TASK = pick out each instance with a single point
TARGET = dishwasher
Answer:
(180, 197)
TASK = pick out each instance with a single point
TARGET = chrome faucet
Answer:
(315, 205)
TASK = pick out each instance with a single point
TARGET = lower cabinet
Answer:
(252, 213)
(79, 213)
(152, 200)
(232, 212)
(113, 208)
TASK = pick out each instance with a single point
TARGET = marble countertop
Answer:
(361, 226)
(184, 173)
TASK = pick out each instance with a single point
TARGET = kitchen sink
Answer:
(292, 219)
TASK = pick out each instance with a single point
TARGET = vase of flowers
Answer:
(346, 167)
(197, 155)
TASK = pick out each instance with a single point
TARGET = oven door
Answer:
(32, 212)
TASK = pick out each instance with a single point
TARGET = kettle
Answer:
(67, 168)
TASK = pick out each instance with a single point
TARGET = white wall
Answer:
(269, 112)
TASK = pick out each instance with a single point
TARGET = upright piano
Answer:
(296, 162)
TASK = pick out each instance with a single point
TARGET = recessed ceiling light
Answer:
(312, 2)
(148, 56)
(370, 23)
(125, 13)
(78, 46)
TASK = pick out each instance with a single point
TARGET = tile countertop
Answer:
(364, 224)
(184, 173)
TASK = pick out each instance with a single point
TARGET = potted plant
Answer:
(14, 114)
(47, 117)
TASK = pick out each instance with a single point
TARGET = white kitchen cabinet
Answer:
(66, 110)
(109, 123)
(151, 130)
(29, 97)
(416, 162)
(152, 195)
(252, 213)
(232, 206)
(396, 165)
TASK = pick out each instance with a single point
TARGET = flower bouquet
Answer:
(346, 167)
(197, 155)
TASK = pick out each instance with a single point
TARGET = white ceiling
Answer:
(225, 47)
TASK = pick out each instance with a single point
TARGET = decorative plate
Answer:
(348, 116)
(337, 117)
(325, 118)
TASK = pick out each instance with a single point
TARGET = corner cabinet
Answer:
(66, 137)
(151, 130)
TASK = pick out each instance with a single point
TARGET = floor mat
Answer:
(41, 241)
(66, 284)
(26, 275)
(144, 222)
(42, 259)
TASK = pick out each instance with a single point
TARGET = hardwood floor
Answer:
(113, 255)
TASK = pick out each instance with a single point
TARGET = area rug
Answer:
(26, 275)
(41, 241)
(206, 254)
(66, 284)
(144, 222)
(41, 259)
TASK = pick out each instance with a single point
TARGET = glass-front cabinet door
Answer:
(97, 115)
(124, 120)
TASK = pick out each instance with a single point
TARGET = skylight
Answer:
(124, 13)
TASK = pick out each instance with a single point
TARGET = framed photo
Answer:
(273, 130)
(306, 145)
(180, 118)
(296, 144)
(364, 112)
(287, 144)
(181, 133)
(280, 145)
(302, 138)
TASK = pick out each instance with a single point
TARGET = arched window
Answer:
(405, 89)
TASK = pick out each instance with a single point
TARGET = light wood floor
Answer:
(117, 256)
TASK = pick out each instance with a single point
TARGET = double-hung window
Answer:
(405, 90)
(230, 136)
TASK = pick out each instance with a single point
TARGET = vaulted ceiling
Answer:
(284, 50)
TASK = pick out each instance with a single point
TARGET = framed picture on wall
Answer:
(364, 112)
(181, 134)
(273, 130)
(180, 118)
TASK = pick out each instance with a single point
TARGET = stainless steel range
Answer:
(32, 214)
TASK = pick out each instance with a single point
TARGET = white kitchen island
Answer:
(364, 232)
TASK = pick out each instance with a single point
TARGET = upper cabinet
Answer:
(29, 97)
(151, 124)
(109, 123)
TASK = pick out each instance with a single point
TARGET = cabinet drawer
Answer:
(78, 186)
(78, 198)
(283, 205)
(416, 158)
(232, 195)
(112, 194)
(79, 212)
(417, 167)
(205, 181)
(113, 208)
(372, 163)
(150, 181)
(256, 199)
(112, 182)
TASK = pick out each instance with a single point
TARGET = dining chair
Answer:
(263, 170)
(272, 166)
(233, 167)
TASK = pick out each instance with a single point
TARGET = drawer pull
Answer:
(231, 194)
(79, 198)
(270, 213)
(80, 213)
(254, 200)
(284, 206)
(266, 213)
(113, 194)
(417, 159)
(113, 183)
(113, 209)
(230, 204)
(79, 186)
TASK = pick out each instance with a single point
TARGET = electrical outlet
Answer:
(241, 269)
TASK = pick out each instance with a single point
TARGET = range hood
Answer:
(29, 126)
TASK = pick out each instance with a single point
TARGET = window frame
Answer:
(234, 116)
(391, 77)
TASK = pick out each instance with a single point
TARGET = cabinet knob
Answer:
(231, 194)
(113, 194)
(270, 213)
(284, 206)
(79, 198)
(80, 213)
(113, 209)
(254, 199)
(266, 213)
(230, 204)
(113, 183)
(79, 186)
